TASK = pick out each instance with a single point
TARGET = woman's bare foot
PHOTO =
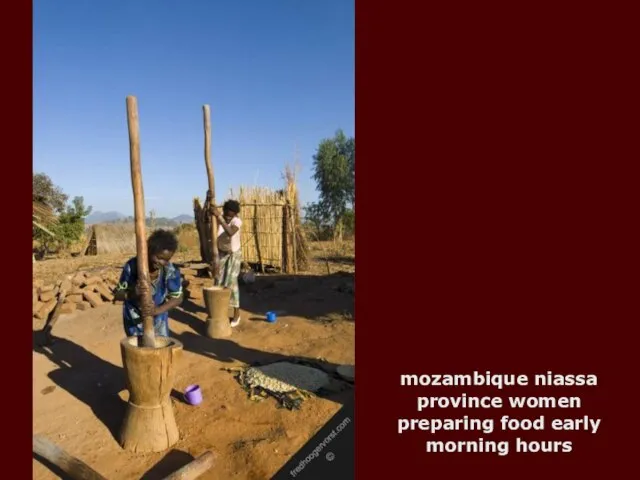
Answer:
(236, 317)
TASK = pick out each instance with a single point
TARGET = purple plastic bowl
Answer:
(193, 395)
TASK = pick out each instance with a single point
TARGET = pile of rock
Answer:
(84, 290)
(92, 288)
(193, 279)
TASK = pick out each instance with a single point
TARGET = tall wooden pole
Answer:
(145, 302)
(206, 112)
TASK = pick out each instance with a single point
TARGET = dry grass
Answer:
(187, 237)
(299, 242)
(332, 256)
(112, 239)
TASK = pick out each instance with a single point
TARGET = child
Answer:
(230, 253)
(166, 285)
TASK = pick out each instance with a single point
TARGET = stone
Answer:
(74, 298)
(68, 308)
(78, 279)
(195, 293)
(47, 296)
(82, 306)
(104, 292)
(93, 280)
(45, 310)
(93, 298)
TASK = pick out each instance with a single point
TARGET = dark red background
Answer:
(497, 214)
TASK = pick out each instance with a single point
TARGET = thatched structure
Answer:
(271, 232)
(111, 238)
(43, 217)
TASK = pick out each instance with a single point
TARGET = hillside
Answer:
(117, 217)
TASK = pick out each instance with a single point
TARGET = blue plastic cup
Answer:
(271, 317)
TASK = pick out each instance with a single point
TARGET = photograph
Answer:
(193, 236)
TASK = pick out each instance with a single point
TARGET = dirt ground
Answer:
(78, 383)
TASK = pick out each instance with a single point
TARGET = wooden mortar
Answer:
(216, 300)
(149, 423)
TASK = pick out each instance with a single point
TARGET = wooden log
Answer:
(104, 292)
(68, 308)
(83, 306)
(46, 309)
(36, 299)
(94, 280)
(256, 230)
(294, 239)
(148, 336)
(93, 298)
(74, 298)
(48, 295)
(206, 112)
(36, 309)
(66, 285)
(195, 468)
(286, 259)
(204, 232)
(75, 468)
(198, 266)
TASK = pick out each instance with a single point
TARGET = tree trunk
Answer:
(203, 225)
(337, 230)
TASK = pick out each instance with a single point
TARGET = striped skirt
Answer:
(229, 265)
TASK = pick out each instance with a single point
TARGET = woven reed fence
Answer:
(271, 235)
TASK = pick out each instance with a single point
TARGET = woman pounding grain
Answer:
(166, 285)
(229, 253)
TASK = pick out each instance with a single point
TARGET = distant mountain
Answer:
(104, 217)
(117, 217)
(183, 219)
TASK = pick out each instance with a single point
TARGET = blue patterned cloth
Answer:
(168, 284)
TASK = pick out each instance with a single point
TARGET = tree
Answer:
(315, 216)
(67, 226)
(45, 192)
(334, 173)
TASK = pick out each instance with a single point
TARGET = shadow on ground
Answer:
(98, 383)
(339, 259)
(89, 378)
(314, 297)
(172, 461)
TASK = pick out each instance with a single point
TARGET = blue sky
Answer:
(278, 75)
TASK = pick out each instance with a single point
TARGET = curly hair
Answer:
(161, 240)
(232, 206)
